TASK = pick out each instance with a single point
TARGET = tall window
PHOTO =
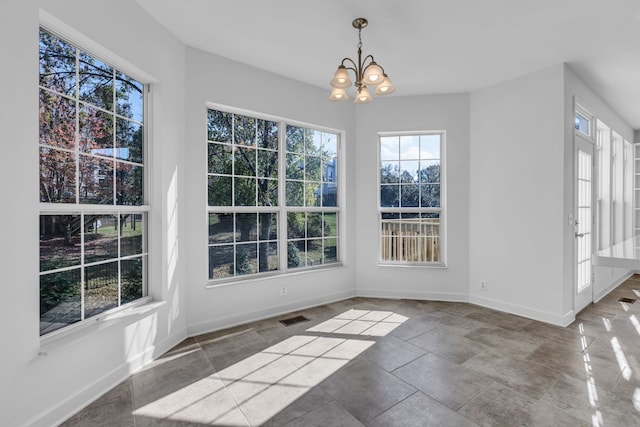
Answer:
(411, 206)
(272, 196)
(93, 250)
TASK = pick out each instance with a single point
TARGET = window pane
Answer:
(129, 184)
(96, 82)
(246, 259)
(313, 142)
(132, 279)
(59, 241)
(220, 228)
(129, 97)
(314, 224)
(329, 195)
(430, 195)
(221, 261)
(247, 226)
(219, 125)
(295, 139)
(314, 252)
(219, 191)
(429, 146)
(220, 158)
(330, 250)
(330, 224)
(389, 172)
(129, 138)
(582, 124)
(410, 195)
(313, 194)
(389, 195)
(409, 171)
(389, 148)
(411, 239)
(96, 131)
(295, 193)
(268, 164)
(267, 134)
(295, 166)
(57, 64)
(96, 180)
(429, 171)
(312, 168)
(245, 162)
(131, 233)
(296, 225)
(245, 130)
(101, 288)
(410, 147)
(268, 256)
(244, 191)
(329, 145)
(57, 120)
(267, 192)
(57, 176)
(60, 301)
(100, 237)
(268, 226)
(296, 254)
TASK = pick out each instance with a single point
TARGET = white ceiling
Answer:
(425, 46)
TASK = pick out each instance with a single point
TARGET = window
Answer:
(272, 195)
(93, 250)
(411, 206)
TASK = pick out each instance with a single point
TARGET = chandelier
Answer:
(366, 73)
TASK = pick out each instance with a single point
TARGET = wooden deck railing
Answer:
(414, 240)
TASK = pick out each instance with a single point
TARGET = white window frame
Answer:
(282, 209)
(442, 210)
(78, 40)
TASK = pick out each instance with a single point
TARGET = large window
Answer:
(272, 195)
(411, 203)
(93, 215)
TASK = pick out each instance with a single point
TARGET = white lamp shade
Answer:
(372, 74)
(385, 87)
(363, 96)
(338, 94)
(341, 78)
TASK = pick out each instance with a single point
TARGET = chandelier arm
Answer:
(352, 63)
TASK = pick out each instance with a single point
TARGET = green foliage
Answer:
(293, 255)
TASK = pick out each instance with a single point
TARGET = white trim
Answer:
(266, 313)
(520, 310)
(414, 295)
(612, 285)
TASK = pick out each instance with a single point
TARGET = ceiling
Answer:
(425, 46)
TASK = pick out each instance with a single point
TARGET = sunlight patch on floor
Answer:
(621, 358)
(265, 383)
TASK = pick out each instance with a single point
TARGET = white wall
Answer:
(517, 172)
(43, 390)
(219, 80)
(418, 113)
(606, 278)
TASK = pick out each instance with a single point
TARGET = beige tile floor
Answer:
(378, 362)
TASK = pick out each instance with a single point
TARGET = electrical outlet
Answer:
(483, 285)
(283, 291)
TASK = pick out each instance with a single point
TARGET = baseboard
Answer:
(91, 392)
(276, 310)
(417, 295)
(612, 285)
(520, 310)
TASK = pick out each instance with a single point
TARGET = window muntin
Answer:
(93, 251)
(411, 208)
(272, 190)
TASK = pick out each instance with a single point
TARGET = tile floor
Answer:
(378, 362)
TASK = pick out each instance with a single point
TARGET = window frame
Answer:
(83, 44)
(441, 210)
(282, 209)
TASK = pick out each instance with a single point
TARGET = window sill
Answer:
(80, 331)
(220, 283)
(437, 266)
